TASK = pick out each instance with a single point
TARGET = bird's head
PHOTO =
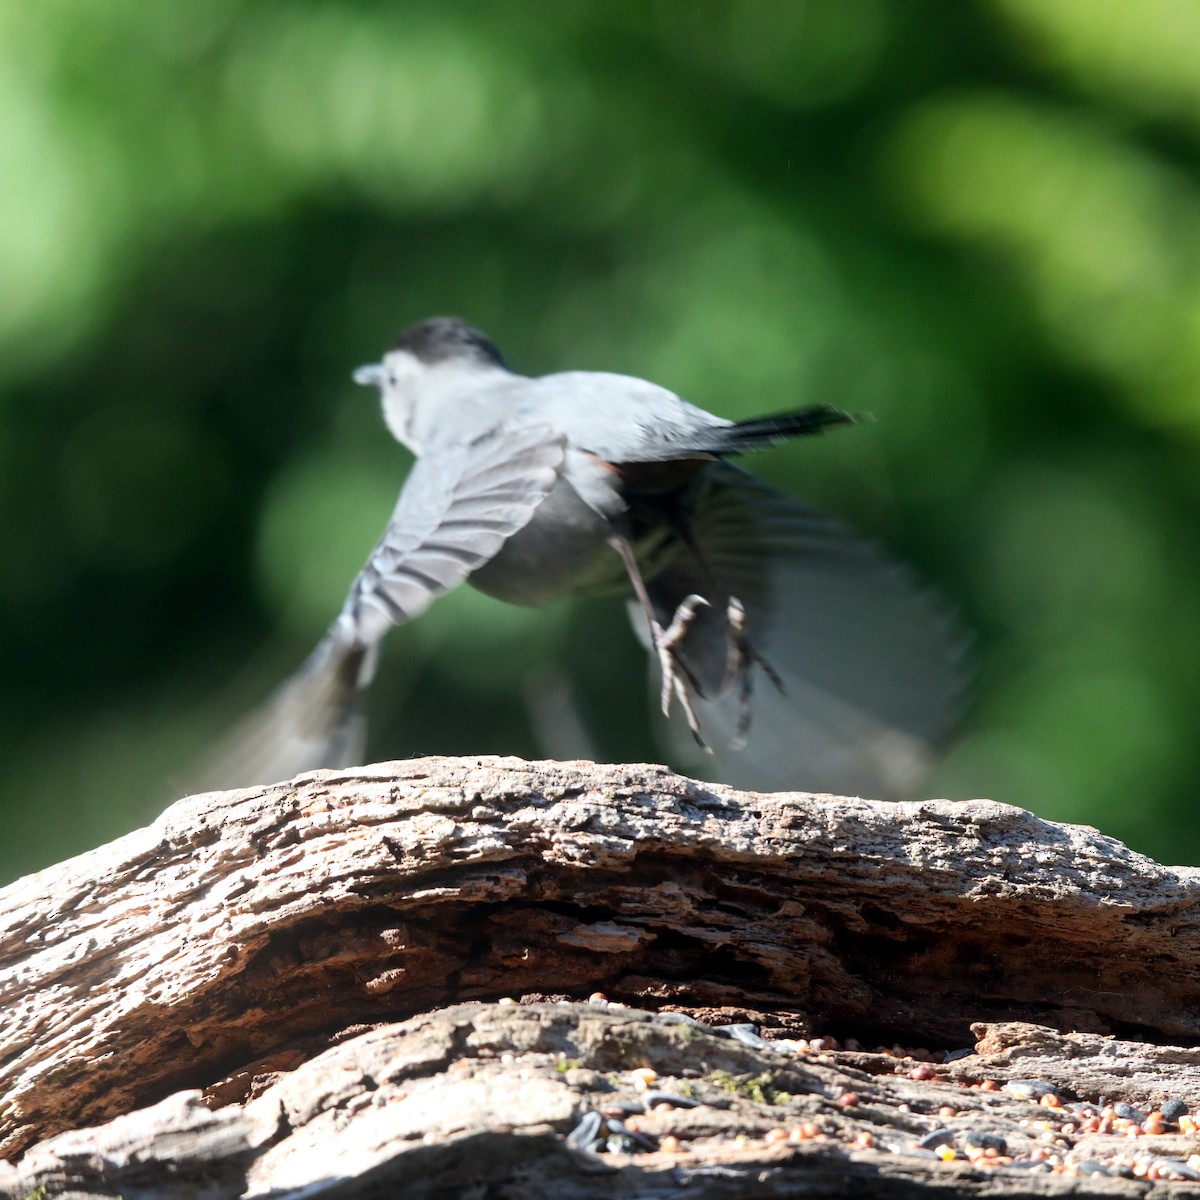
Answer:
(440, 348)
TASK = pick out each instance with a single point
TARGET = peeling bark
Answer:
(244, 961)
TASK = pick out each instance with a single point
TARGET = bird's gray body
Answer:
(536, 488)
(600, 419)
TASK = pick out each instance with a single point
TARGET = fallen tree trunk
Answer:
(222, 951)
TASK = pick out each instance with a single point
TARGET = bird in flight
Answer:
(793, 648)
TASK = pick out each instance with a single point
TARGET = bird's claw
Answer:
(741, 656)
(677, 680)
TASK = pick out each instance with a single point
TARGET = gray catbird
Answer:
(585, 482)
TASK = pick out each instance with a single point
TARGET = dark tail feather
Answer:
(761, 432)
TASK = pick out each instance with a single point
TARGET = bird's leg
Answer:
(666, 640)
(740, 657)
(741, 654)
(676, 678)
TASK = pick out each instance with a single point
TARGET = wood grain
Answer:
(258, 927)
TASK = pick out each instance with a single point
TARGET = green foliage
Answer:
(978, 220)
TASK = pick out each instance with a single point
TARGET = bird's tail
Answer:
(760, 432)
(313, 720)
(870, 663)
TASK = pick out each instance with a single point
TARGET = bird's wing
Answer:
(872, 662)
(458, 507)
(461, 503)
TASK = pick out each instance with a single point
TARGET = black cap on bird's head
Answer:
(440, 339)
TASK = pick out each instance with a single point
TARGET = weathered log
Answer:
(238, 935)
(488, 1100)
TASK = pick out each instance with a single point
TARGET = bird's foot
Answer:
(741, 657)
(677, 681)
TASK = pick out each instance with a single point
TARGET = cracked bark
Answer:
(266, 966)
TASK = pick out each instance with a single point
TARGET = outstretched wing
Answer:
(458, 507)
(461, 503)
(871, 660)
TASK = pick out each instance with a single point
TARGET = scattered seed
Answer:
(1182, 1167)
(1028, 1089)
(656, 1099)
(624, 1140)
(986, 1141)
(748, 1035)
(584, 1135)
(936, 1138)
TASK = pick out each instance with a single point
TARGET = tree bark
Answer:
(263, 992)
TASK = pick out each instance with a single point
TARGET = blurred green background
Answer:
(978, 220)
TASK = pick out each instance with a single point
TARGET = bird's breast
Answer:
(566, 549)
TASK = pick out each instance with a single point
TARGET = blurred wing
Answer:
(313, 720)
(458, 507)
(872, 662)
(461, 503)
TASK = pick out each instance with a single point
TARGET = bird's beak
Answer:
(370, 375)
